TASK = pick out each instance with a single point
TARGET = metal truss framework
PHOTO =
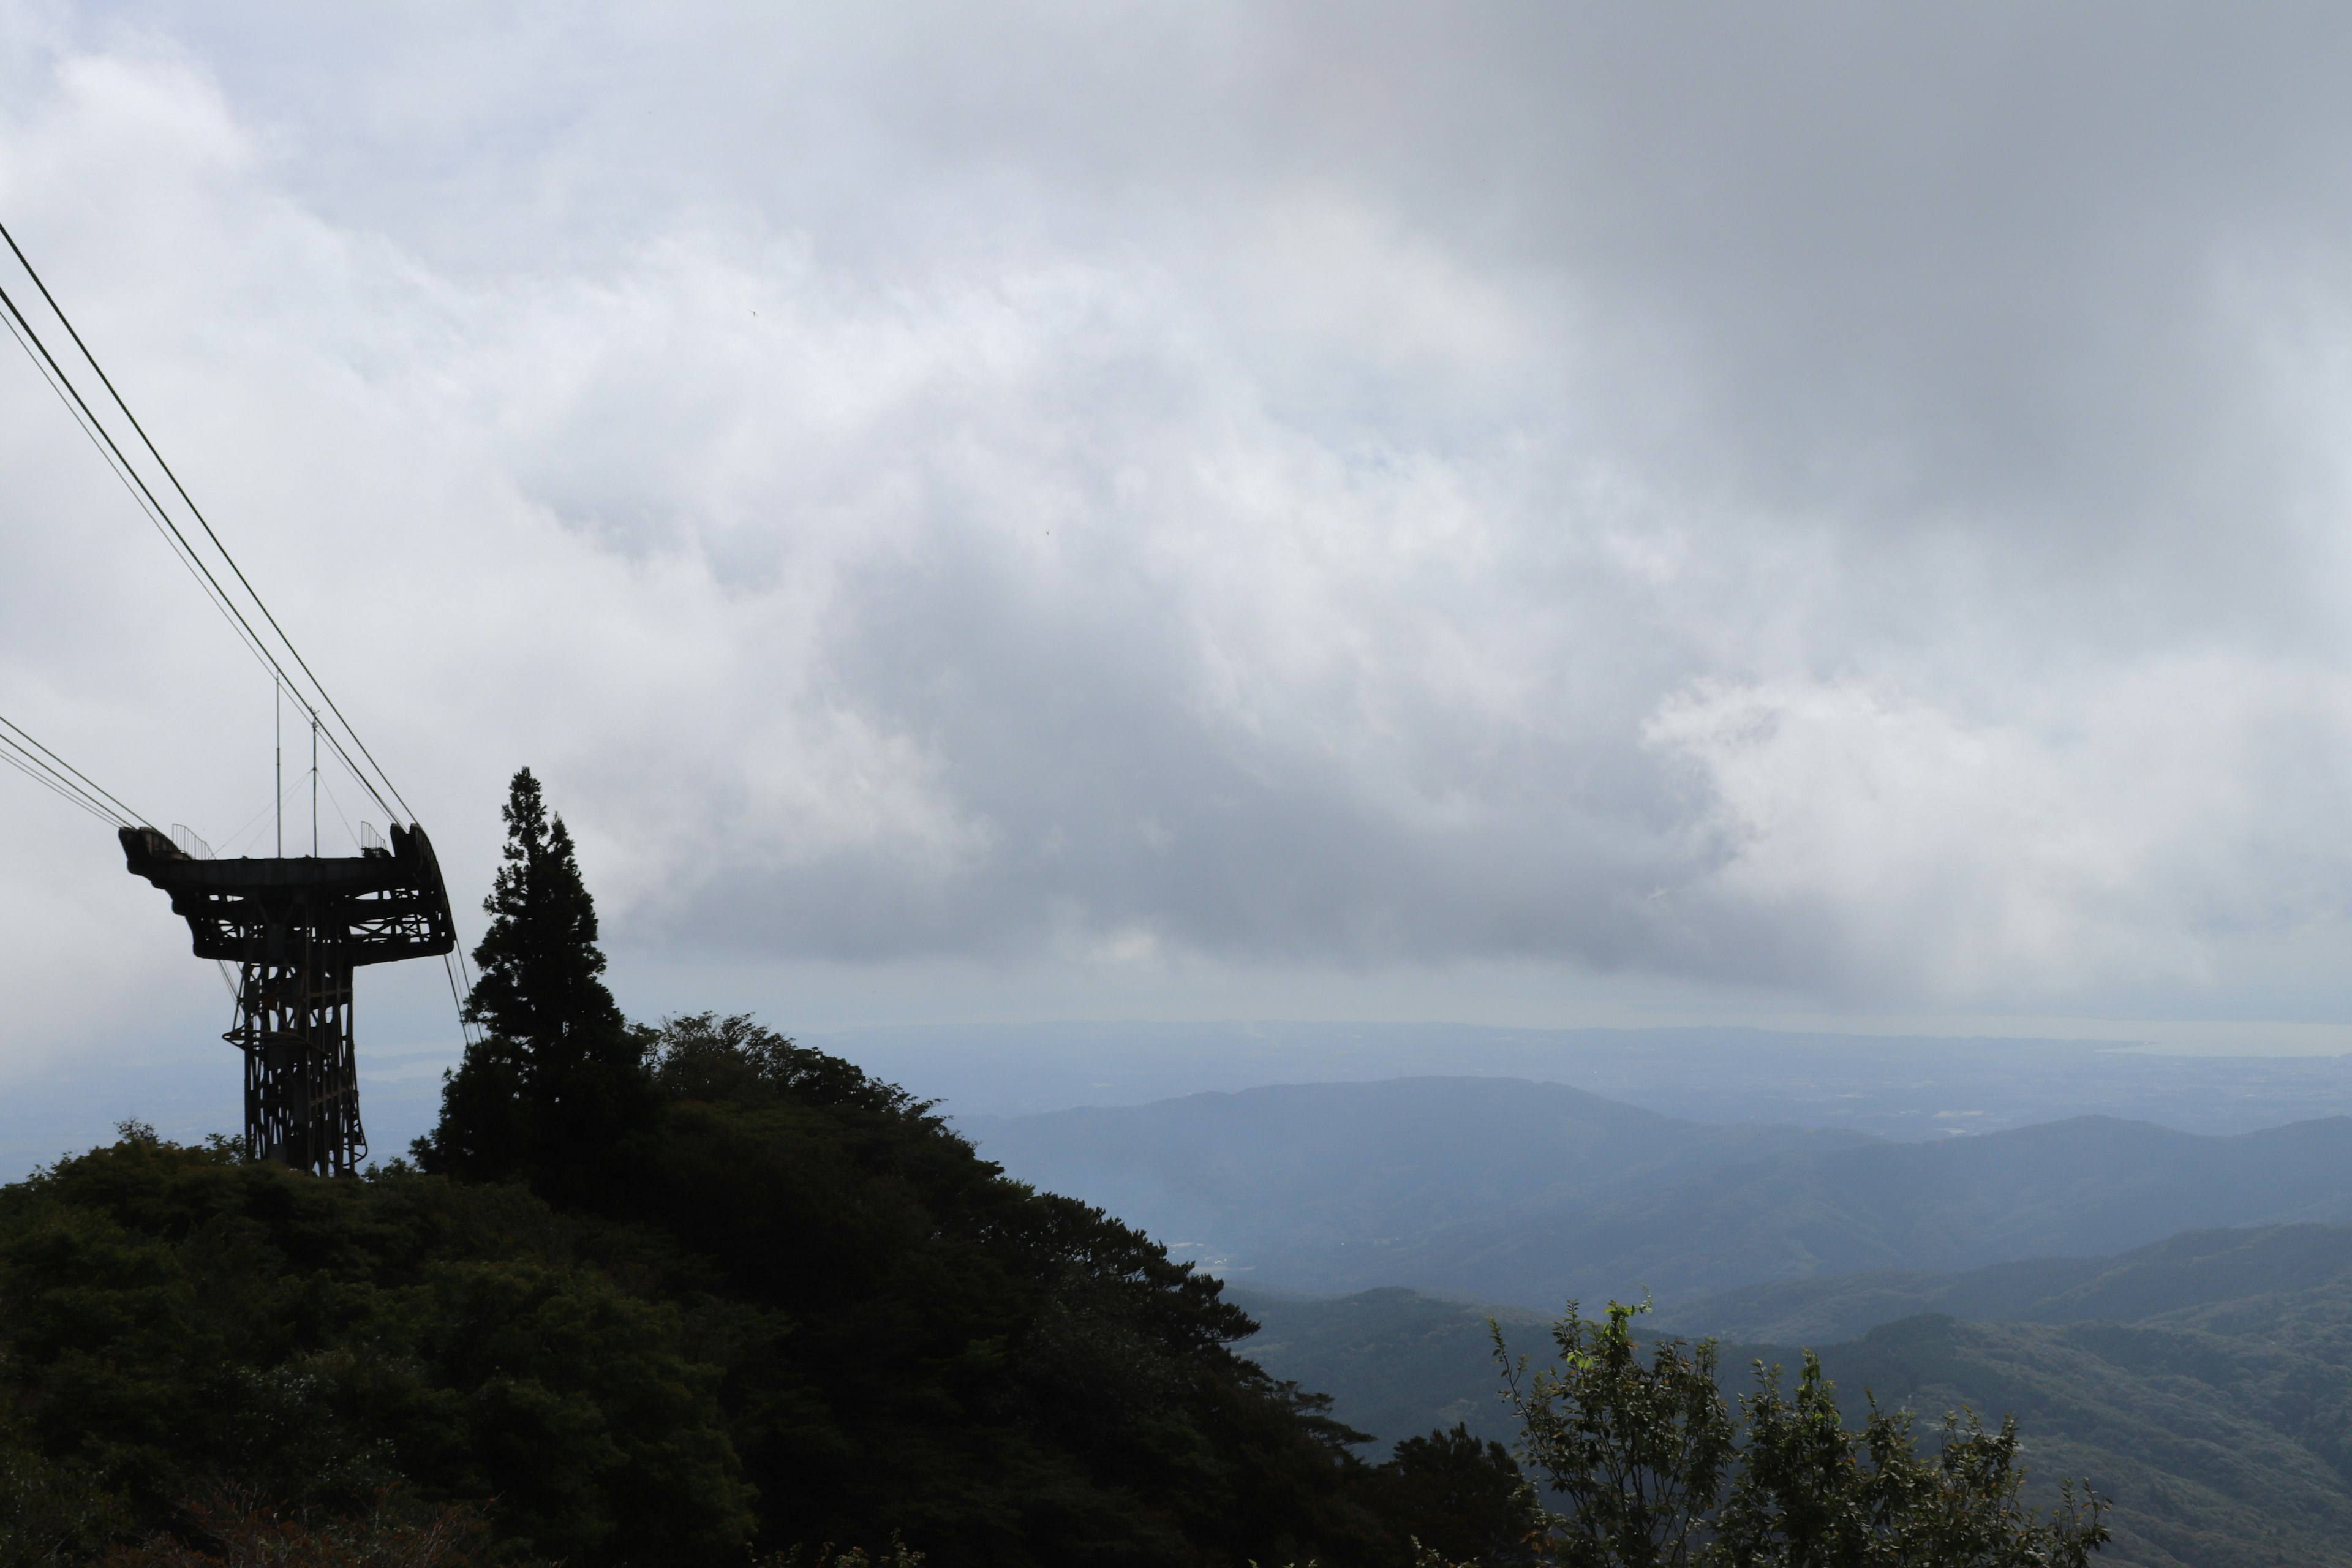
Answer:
(297, 929)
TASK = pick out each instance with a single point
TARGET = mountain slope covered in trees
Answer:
(2190, 1272)
(2204, 1384)
(820, 1318)
(2222, 1447)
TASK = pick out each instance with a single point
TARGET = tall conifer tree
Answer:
(540, 980)
(558, 1076)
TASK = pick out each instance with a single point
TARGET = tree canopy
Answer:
(1651, 1468)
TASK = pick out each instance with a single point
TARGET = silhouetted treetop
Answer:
(705, 1057)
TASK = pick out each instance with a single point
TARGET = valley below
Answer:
(2166, 1314)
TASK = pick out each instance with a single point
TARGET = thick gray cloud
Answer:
(1843, 500)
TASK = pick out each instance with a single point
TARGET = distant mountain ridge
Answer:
(1289, 1171)
(1513, 1191)
(1911, 1087)
(2087, 1187)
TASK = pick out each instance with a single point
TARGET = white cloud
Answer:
(1201, 488)
(1895, 845)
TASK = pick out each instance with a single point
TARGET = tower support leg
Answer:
(301, 1075)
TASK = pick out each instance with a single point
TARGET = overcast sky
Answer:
(1546, 512)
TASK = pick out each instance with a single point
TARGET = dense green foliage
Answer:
(822, 1318)
(1462, 1498)
(178, 1320)
(1000, 1372)
(1649, 1467)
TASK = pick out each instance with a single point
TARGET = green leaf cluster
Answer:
(1648, 1467)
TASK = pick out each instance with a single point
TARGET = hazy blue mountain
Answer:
(1903, 1086)
(1308, 1184)
(1532, 1194)
(2086, 1186)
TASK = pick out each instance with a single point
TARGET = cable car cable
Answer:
(64, 384)
(9, 756)
(78, 406)
(37, 352)
(29, 338)
(202, 522)
(82, 785)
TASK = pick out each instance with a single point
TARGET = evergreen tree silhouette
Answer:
(558, 1079)
(540, 973)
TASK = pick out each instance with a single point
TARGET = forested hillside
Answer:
(2195, 1269)
(817, 1316)
(2204, 1384)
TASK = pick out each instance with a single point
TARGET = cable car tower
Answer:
(294, 927)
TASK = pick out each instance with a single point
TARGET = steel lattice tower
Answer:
(297, 929)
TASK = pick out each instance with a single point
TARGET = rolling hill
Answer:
(2191, 1270)
(2069, 1188)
